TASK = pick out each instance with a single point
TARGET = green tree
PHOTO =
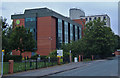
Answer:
(99, 38)
(21, 39)
(6, 31)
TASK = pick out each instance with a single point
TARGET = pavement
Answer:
(51, 70)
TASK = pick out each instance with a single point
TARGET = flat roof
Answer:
(42, 12)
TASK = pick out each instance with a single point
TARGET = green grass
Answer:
(5, 68)
(20, 66)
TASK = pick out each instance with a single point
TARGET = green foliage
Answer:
(6, 40)
(34, 56)
(53, 54)
(22, 39)
(98, 40)
(16, 58)
(117, 42)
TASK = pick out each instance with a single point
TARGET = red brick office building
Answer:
(49, 29)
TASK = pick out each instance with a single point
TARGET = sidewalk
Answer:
(50, 70)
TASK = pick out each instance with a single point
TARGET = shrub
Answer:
(34, 56)
(16, 58)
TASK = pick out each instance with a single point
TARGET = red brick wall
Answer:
(25, 54)
(80, 22)
(22, 22)
(46, 30)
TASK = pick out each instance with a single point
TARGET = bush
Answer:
(16, 58)
(34, 56)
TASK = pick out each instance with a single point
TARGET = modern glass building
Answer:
(50, 29)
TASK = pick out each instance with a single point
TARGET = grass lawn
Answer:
(20, 66)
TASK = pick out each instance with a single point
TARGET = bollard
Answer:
(58, 60)
(11, 62)
(79, 58)
(92, 57)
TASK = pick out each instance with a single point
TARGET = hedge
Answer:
(16, 58)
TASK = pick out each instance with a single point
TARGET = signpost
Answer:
(60, 55)
(70, 57)
(2, 63)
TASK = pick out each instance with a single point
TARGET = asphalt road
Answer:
(101, 68)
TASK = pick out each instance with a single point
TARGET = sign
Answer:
(17, 22)
(3, 52)
(59, 53)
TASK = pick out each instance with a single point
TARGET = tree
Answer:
(21, 39)
(117, 42)
(99, 38)
(6, 31)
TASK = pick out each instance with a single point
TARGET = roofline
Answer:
(95, 15)
(50, 13)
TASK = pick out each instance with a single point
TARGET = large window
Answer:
(59, 30)
(76, 33)
(71, 32)
(30, 23)
(66, 31)
(79, 33)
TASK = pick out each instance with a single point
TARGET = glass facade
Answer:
(59, 31)
(66, 32)
(30, 19)
(80, 33)
(76, 33)
(71, 32)
(30, 23)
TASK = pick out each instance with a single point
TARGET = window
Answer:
(104, 17)
(99, 18)
(30, 19)
(66, 31)
(76, 33)
(90, 19)
(71, 32)
(59, 31)
(79, 33)
(95, 18)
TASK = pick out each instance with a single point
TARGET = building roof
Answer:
(96, 15)
(42, 12)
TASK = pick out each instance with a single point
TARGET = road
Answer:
(101, 68)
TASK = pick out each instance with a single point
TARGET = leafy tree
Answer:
(117, 42)
(100, 39)
(22, 40)
(6, 31)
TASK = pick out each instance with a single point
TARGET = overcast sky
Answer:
(90, 8)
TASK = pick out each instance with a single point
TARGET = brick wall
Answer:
(81, 22)
(46, 35)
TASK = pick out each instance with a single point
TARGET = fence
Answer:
(32, 64)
